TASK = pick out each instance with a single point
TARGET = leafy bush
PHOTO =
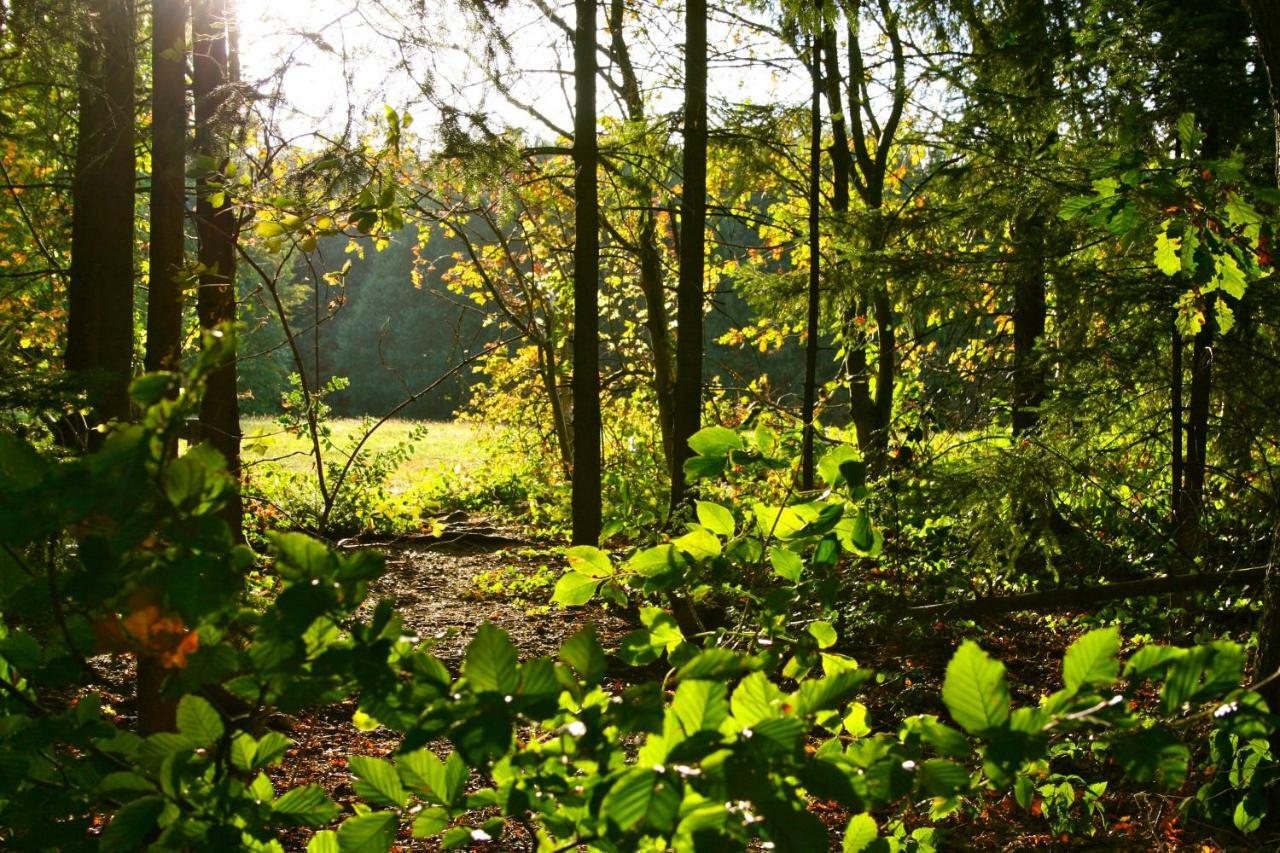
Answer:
(124, 550)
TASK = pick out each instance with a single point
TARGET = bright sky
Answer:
(341, 56)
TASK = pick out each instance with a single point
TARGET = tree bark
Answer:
(100, 290)
(693, 217)
(217, 227)
(168, 183)
(1190, 509)
(586, 271)
(814, 306)
(1028, 322)
(657, 317)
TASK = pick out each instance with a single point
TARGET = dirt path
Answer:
(436, 590)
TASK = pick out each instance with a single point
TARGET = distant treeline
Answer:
(390, 327)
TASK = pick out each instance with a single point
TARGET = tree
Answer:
(687, 414)
(100, 291)
(814, 293)
(865, 168)
(587, 508)
(168, 183)
(217, 224)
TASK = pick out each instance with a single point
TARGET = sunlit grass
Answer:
(447, 447)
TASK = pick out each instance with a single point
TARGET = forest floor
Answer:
(445, 590)
(446, 586)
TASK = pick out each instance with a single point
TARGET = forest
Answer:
(639, 425)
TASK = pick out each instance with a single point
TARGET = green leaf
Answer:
(975, 691)
(152, 388)
(574, 589)
(829, 693)
(426, 773)
(699, 544)
(490, 662)
(787, 564)
(823, 633)
(716, 518)
(1074, 206)
(131, 825)
(308, 805)
(429, 822)
(1153, 754)
(704, 467)
(1249, 812)
(198, 721)
(755, 699)
(654, 561)
(939, 777)
(324, 841)
(860, 834)
(589, 561)
(715, 663)
(270, 750)
(583, 652)
(1167, 259)
(715, 441)
(1229, 277)
(640, 794)
(700, 705)
(830, 465)
(377, 781)
(1092, 660)
(368, 833)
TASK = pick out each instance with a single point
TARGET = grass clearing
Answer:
(448, 446)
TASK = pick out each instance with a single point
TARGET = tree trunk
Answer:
(168, 183)
(657, 318)
(1175, 418)
(100, 290)
(1187, 516)
(1028, 322)
(658, 323)
(811, 340)
(586, 273)
(217, 226)
(693, 218)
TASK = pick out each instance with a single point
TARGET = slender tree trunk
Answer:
(1190, 510)
(693, 218)
(217, 227)
(658, 323)
(156, 713)
(168, 183)
(586, 276)
(814, 306)
(1175, 418)
(657, 318)
(100, 291)
(1028, 322)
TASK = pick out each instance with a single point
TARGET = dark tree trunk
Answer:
(811, 340)
(693, 218)
(156, 713)
(217, 226)
(1190, 509)
(168, 183)
(1175, 418)
(100, 291)
(586, 273)
(658, 323)
(1028, 322)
